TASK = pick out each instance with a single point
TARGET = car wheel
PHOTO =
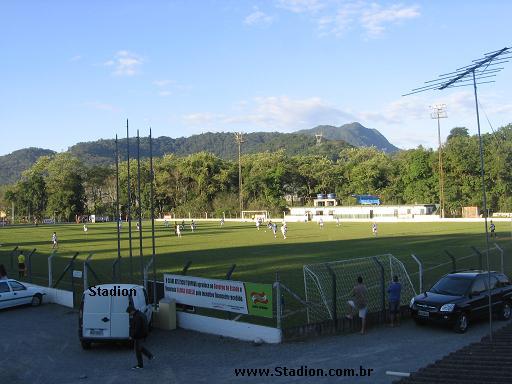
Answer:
(462, 323)
(36, 300)
(506, 311)
(85, 344)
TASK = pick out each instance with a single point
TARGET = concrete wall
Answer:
(228, 328)
(56, 296)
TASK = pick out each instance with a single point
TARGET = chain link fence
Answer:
(328, 286)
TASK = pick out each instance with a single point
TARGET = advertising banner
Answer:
(224, 295)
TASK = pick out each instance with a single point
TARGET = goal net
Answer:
(318, 284)
(253, 215)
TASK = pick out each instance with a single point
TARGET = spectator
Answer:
(21, 265)
(3, 273)
(359, 303)
(138, 332)
(394, 291)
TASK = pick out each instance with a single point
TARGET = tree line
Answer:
(62, 186)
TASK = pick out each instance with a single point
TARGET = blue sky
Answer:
(75, 70)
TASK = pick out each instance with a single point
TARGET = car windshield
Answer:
(452, 286)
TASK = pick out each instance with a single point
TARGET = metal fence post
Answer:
(277, 286)
(230, 272)
(114, 268)
(420, 270)
(334, 296)
(382, 288)
(186, 267)
(11, 256)
(502, 257)
(29, 265)
(50, 269)
(86, 270)
(454, 262)
(480, 257)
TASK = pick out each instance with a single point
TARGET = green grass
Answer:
(213, 249)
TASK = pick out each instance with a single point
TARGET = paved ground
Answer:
(40, 345)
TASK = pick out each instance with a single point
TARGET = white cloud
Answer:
(258, 17)
(163, 83)
(102, 106)
(301, 6)
(337, 17)
(125, 63)
(376, 18)
(275, 112)
(75, 58)
(164, 93)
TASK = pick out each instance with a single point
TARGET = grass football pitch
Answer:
(213, 249)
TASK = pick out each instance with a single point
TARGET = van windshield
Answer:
(454, 286)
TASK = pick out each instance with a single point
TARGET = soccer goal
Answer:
(253, 215)
(377, 272)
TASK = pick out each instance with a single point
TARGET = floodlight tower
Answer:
(438, 111)
(239, 140)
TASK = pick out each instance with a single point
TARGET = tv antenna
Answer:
(483, 68)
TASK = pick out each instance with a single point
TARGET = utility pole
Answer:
(438, 111)
(239, 139)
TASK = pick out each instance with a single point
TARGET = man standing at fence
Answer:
(394, 291)
(359, 303)
(21, 265)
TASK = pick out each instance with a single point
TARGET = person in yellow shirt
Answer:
(21, 265)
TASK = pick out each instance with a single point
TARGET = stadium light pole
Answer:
(239, 139)
(118, 216)
(438, 111)
(129, 203)
(139, 208)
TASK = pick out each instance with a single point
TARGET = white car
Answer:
(13, 293)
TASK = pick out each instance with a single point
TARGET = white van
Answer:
(103, 316)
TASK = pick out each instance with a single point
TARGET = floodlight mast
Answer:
(438, 111)
(239, 140)
(466, 76)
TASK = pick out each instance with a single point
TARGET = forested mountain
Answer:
(13, 164)
(221, 144)
(64, 186)
(354, 134)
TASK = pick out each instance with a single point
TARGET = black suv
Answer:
(460, 297)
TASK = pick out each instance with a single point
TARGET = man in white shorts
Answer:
(284, 229)
(359, 303)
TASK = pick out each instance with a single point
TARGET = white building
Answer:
(363, 212)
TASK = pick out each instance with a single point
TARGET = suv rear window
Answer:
(450, 285)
